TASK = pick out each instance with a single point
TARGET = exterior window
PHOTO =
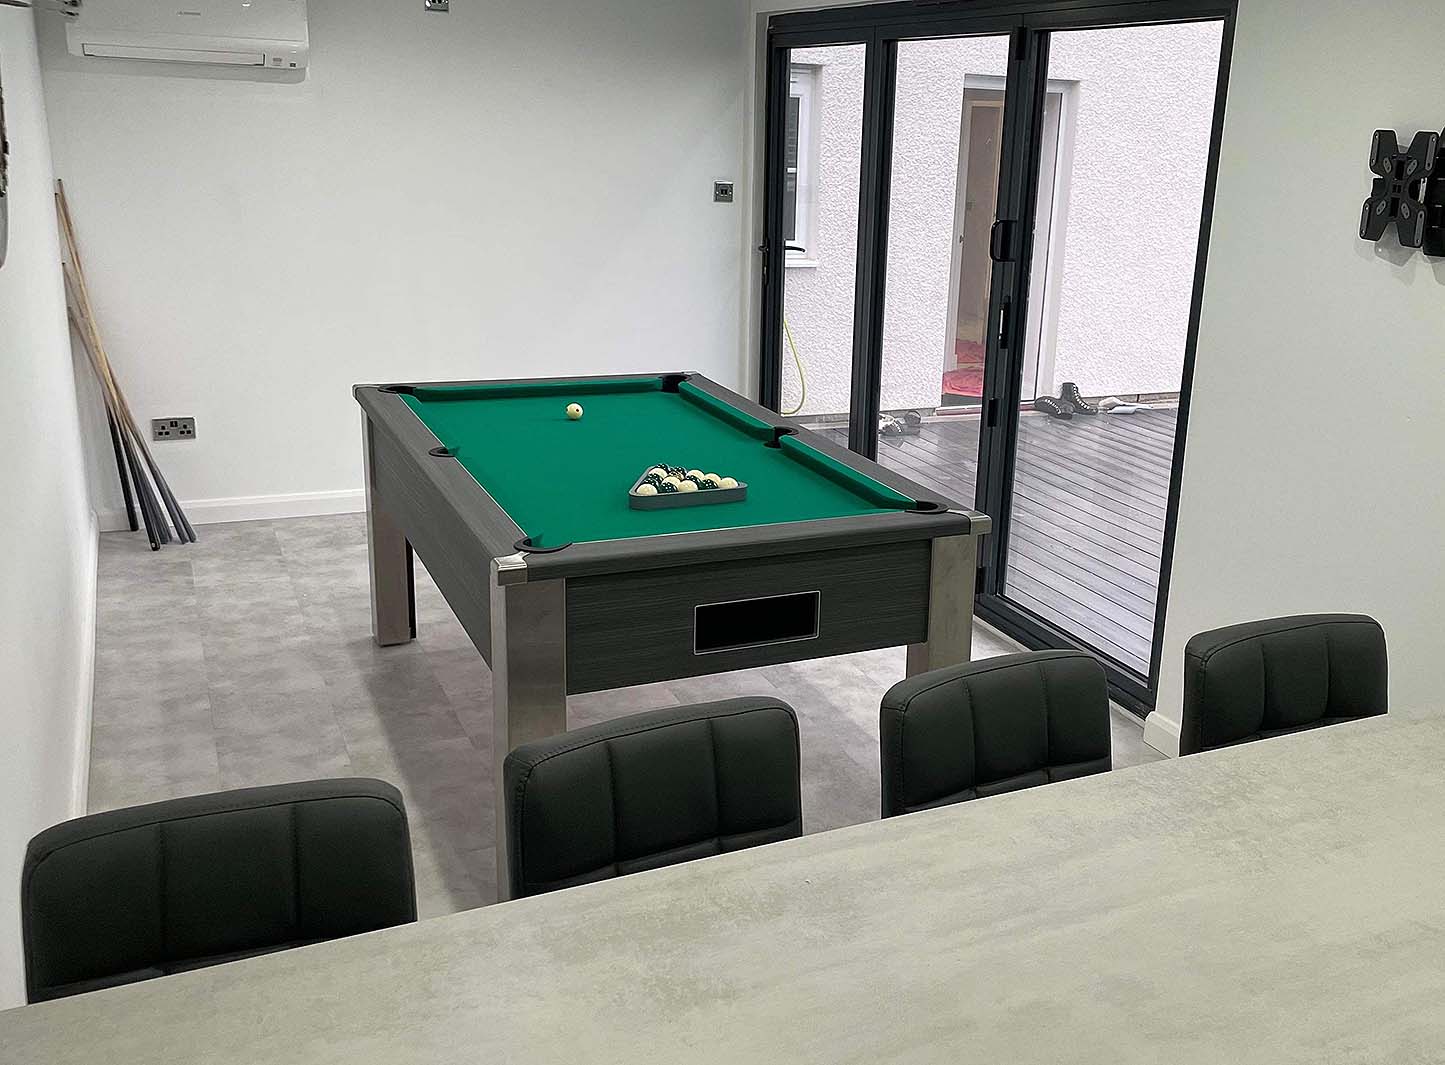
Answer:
(799, 182)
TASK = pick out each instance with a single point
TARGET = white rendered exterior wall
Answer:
(1138, 110)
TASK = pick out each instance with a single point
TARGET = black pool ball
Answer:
(666, 488)
(654, 479)
(707, 484)
(677, 471)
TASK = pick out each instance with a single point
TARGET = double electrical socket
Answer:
(173, 428)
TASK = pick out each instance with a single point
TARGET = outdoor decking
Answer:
(1089, 504)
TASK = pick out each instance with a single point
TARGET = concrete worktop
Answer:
(1279, 902)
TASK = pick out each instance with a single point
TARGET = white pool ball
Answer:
(687, 486)
(646, 490)
(574, 411)
(727, 482)
(694, 473)
(674, 481)
(714, 476)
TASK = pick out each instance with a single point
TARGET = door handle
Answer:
(1001, 240)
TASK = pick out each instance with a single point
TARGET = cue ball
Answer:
(574, 411)
(647, 490)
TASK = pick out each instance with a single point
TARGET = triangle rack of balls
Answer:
(663, 486)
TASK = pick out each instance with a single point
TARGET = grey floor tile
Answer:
(460, 671)
(247, 659)
(596, 707)
(447, 787)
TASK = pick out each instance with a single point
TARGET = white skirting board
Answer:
(257, 508)
(85, 677)
(1162, 734)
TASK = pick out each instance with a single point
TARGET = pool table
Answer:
(522, 518)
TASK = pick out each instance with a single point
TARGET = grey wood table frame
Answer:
(616, 613)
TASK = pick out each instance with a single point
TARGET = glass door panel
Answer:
(1126, 145)
(822, 164)
(947, 145)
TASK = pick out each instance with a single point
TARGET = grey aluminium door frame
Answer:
(1029, 22)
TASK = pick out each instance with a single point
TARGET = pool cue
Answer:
(155, 525)
(75, 275)
(155, 521)
(184, 530)
(120, 469)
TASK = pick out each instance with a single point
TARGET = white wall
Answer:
(1329, 496)
(510, 189)
(47, 532)
(1138, 116)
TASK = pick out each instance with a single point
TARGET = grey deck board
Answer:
(1091, 496)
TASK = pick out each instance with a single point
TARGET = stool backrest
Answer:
(142, 892)
(1266, 678)
(651, 790)
(994, 726)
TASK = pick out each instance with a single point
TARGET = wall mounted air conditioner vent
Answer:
(249, 33)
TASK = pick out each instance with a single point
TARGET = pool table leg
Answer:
(950, 606)
(393, 591)
(529, 682)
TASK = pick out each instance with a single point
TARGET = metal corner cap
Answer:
(510, 569)
(979, 524)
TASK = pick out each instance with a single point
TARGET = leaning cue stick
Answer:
(155, 525)
(155, 521)
(184, 530)
(120, 469)
(75, 276)
(131, 432)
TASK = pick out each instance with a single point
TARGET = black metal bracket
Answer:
(442, 453)
(1408, 192)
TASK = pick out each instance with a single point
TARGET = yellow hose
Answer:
(802, 376)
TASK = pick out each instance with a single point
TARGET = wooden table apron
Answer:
(612, 614)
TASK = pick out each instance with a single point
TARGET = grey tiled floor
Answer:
(247, 659)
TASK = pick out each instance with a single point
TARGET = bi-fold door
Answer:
(985, 228)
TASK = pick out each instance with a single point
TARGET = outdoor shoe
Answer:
(1054, 408)
(889, 425)
(1070, 394)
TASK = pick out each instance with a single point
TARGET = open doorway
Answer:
(978, 170)
(979, 147)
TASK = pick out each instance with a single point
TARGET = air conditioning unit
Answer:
(235, 33)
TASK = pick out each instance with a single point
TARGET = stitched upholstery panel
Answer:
(1267, 678)
(142, 892)
(993, 727)
(651, 790)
